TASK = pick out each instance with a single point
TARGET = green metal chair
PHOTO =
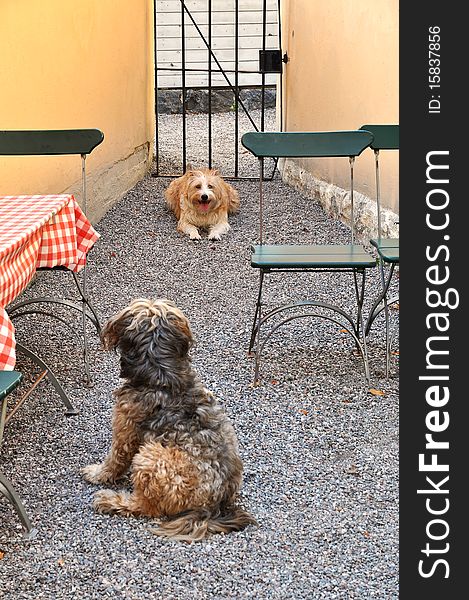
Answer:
(9, 381)
(385, 137)
(57, 142)
(319, 258)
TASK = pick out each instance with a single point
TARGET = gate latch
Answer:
(270, 61)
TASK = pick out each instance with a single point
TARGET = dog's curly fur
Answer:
(202, 198)
(178, 441)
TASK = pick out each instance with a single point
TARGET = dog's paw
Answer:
(103, 501)
(113, 503)
(195, 235)
(94, 473)
(216, 231)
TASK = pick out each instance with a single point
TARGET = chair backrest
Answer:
(306, 144)
(49, 142)
(315, 144)
(385, 137)
(52, 142)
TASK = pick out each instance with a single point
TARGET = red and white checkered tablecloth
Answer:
(36, 231)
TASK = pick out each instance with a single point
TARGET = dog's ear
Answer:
(214, 172)
(233, 198)
(113, 330)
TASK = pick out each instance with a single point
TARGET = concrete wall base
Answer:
(105, 187)
(336, 202)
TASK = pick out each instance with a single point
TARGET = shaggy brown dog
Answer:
(179, 443)
(201, 198)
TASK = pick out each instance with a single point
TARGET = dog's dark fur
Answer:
(180, 445)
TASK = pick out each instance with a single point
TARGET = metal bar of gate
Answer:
(279, 20)
(264, 33)
(209, 85)
(222, 71)
(200, 70)
(236, 87)
(183, 81)
(155, 58)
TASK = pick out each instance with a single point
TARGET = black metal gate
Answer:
(223, 70)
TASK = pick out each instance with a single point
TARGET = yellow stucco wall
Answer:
(342, 73)
(78, 64)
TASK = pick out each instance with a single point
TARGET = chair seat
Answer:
(278, 256)
(9, 380)
(388, 249)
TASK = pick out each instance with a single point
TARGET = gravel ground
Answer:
(320, 451)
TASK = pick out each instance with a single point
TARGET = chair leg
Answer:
(356, 325)
(52, 378)
(256, 329)
(258, 349)
(385, 285)
(14, 311)
(374, 312)
(86, 305)
(376, 309)
(256, 314)
(7, 490)
(381, 300)
(360, 325)
(86, 359)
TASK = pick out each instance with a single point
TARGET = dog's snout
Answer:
(204, 197)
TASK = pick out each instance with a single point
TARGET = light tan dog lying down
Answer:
(201, 198)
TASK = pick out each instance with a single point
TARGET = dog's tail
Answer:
(195, 525)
